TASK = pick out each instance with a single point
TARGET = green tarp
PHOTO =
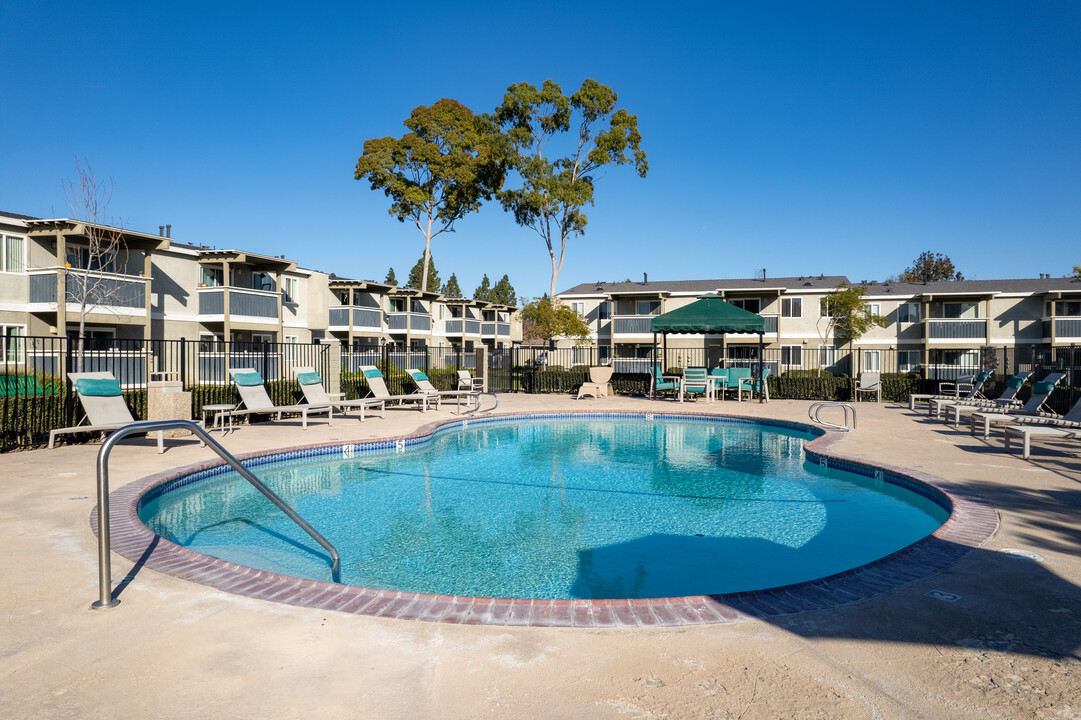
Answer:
(708, 314)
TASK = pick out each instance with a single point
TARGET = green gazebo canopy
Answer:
(709, 314)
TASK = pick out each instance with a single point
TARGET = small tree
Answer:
(931, 267)
(451, 289)
(483, 290)
(88, 197)
(553, 191)
(417, 280)
(848, 316)
(503, 293)
(548, 320)
(439, 171)
(391, 278)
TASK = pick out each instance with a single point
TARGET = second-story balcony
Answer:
(494, 329)
(956, 329)
(1067, 329)
(401, 322)
(245, 305)
(110, 292)
(637, 325)
(454, 327)
(367, 319)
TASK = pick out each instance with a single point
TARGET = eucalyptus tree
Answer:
(439, 171)
(554, 190)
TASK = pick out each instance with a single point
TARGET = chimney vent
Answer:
(168, 231)
(161, 230)
(645, 278)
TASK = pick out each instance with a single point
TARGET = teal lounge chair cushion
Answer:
(103, 387)
(1016, 382)
(983, 376)
(1043, 388)
(373, 373)
(248, 379)
(419, 376)
(309, 378)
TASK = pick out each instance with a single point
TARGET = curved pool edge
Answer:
(972, 520)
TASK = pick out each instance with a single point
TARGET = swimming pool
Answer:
(568, 507)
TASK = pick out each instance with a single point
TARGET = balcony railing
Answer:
(242, 302)
(503, 329)
(472, 327)
(1067, 328)
(632, 324)
(402, 321)
(363, 318)
(953, 329)
(104, 290)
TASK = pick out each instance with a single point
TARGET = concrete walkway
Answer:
(997, 635)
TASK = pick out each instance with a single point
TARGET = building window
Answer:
(211, 277)
(791, 307)
(827, 356)
(792, 355)
(646, 307)
(12, 254)
(961, 310)
(209, 343)
(12, 343)
(262, 281)
(78, 257)
(292, 348)
(1068, 308)
(825, 307)
(604, 311)
(95, 339)
(908, 313)
(292, 289)
(874, 308)
(872, 361)
(908, 360)
(579, 307)
(748, 304)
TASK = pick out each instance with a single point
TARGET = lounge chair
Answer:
(752, 385)
(696, 381)
(378, 385)
(254, 398)
(316, 395)
(99, 394)
(1007, 399)
(972, 384)
(664, 383)
(599, 384)
(869, 382)
(1028, 428)
(990, 416)
(425, 386)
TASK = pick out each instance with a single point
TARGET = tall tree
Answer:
(548, 320)
(105, 251)
(847, 314)
(483, 290)
(430, 279)
(391, 279)
(441, 170)
(1077, 271)
(503, 293)
(452, 289)
(930, 267)
(554, 190)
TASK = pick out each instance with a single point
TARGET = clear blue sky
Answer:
(802, 137)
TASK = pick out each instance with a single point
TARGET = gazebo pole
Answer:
(652, 368)
(761, 368)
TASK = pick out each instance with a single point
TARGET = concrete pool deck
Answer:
(996, 634)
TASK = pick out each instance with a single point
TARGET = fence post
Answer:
(183, 363)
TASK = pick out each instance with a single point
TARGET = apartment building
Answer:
(156, 288)
(927, 323)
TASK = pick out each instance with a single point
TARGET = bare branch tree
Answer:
(88, 267)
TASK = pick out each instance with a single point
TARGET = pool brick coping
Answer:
(971, 522)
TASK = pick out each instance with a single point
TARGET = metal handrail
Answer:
(816, 408)
(105, 590)
(477, 408)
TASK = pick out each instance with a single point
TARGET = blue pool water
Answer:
(622, 507)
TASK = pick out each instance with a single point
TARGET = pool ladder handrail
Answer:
(816, 408)
(476, 410)
(105, 590)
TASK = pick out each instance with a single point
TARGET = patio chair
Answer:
(254, 398)
(1028, 428)
(752, 385)
(992, 416)
(1007, 399)
(99, 394)
(696, 381)
(316, 395)
(378, 385)
(869, 382)
(468, 382)
(598, 385)
(663, 383)
(971, 384)
(425, 386)
(719, 376)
